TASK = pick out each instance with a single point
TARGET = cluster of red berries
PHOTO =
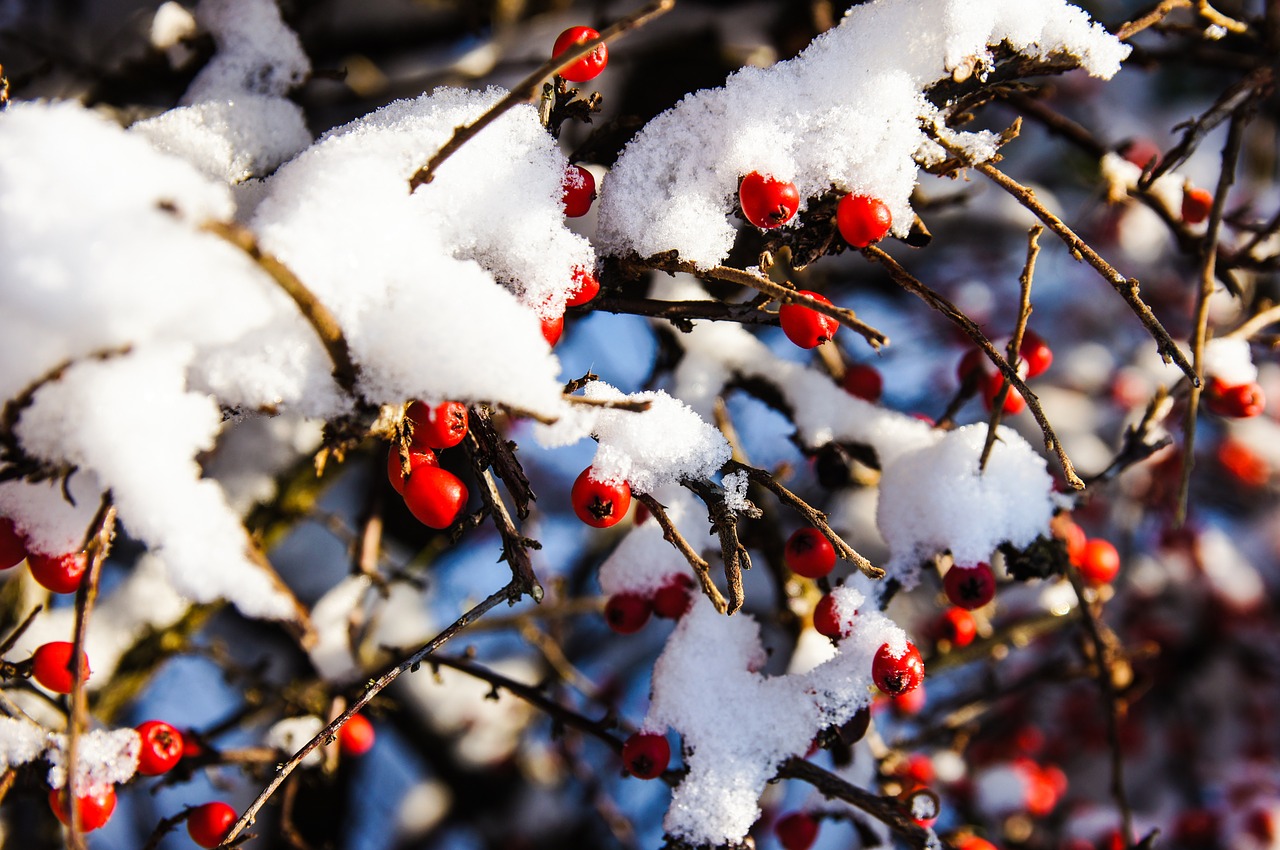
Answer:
(893, 674)
(434, 495)
(59, 573)
(626, 613)
(585, 287)
(1234, 401)
(1034, 358)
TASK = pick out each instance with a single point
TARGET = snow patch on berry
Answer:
(104, 757)
(1230, 361)
(846, 113)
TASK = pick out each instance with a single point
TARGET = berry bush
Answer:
(691, 424)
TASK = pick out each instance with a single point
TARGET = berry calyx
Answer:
(1196, 204)
(1036, 353)
(956, 626)
(645, 755)
(1014, 403)
(435, 496)
(12, 547)
(796, 831)
(59, 573)
(210, 824)
(600, 504)
(439, 427)
(552, 329)
(161, 747)
(970, 586)
(626, 613)
(864, 382)
(579, 190)
(673, 599)
(809, 553)
(826, 618)
(356, 736)
(395, 466)
(766, 201)
(805, 326)
(862, 220)
(589, 66)
(897, 674)
(1235, 401)
(585, 287)
(51, 666)
(94, 810)
(1099, 562)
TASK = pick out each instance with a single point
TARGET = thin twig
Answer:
(18, 632)
(1013, 351)
(1150, 18)
(725, 522)
(1256, 323)
(530, 87)
(515, 546)
(683, 313)
(673, 536)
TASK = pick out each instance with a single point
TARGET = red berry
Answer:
(970, 587)
(972, 842)
(161, 747)
(579, 190)
(897, 674)
(395, 467)
(804, 326)
(1196, 204)
(862, 220)
(59, 573)
(191, 746)
(1013, 400)
(552, 329)
(12, 547)
(766, 201)
(1237, 401)
(826, 619)
(1075, 538)
(589, 66)
(645, 755)
(1141, 151)
(626, 613)
(1243, 463)
(1099, 562)
(957, 626)
(600, 504)
(796, 831)
(910, 703)
(435, 496)
(356, 736)
(673, 599)
(210, 824)
(439, 427)
(585, 287)
(864, 382)
(51, 666)
(94, 809)
(973, 366)
(809, 553)
(1035, 352)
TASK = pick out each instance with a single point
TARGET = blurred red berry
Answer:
(552, 329)
(957, 626)
(826, 620)
(51, 666)
(626, 613)
(864, 382)
(59, 573)
(970, 586)
(1099, 562)
(1013, 400)
(1234, 401)
(13, 548)
(1196, 204)
(796, 831)
(673, 599)
(1035, 352)
(356, 736)
(646, 755)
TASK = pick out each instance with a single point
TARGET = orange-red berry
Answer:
(766, 201)
(897, 674)
(51, 666)
(439, 427)
(579, 190)
(646, 755)
(589, 66)
(356, 736)
(600, 504)
(94, 809)
(805, 326)
(862, 220)
(161, 747)
(435, 496)
(210, 824)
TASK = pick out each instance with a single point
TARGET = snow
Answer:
(103, 758)
(845, 114)
(257, 52)
(1229, 360)
(21, 741)
(293, 733)
(644, 561)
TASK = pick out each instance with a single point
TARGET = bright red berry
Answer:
(626, 613)
(862, 220)
(161, 747)
(600, 504)
(356, 736)
(805, 326)
(970, 586)
(766, 201)
(579, 187)
(645, 755)
(589, 66)
(864, 382)
(210, 824)
(585, 287)
(826, 619)
(12, 547)
(1099, 562)
(1236, 401)
(51, 665)
(972, 842)
(956, 626)
(1014, 403)
(94, 809)
(897, 674)
(439, 427)
(796, 831)
(552, 329)
(809, 553)
(673, 599)
(59, 573)
(395, 466)
(1036, 353)
(1196, 204)
(435, 496)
